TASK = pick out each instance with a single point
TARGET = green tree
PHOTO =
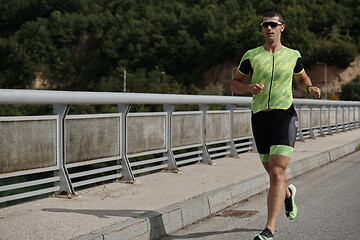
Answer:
(81, 44)
(351, 90)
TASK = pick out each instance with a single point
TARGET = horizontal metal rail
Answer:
(10, 96)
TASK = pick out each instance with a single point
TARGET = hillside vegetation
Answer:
(164, 46)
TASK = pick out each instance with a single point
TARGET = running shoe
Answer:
(290, 206)
(264, 235)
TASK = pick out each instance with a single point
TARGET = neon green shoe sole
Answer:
(258, 237)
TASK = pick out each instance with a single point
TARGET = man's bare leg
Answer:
(276, 167)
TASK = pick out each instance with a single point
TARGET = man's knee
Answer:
(277, 174)
(277, 167)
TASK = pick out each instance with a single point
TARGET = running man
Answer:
(274, 120)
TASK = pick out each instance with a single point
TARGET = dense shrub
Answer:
(351, 90)
(86, 44)
(339, 53)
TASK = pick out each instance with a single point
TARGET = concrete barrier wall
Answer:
(30, 143)
(217, 126)
(324, 115)
(92, 137)
(335, 117)
(27, 143)
(186, 128)
(332, 117)
(145, 132)
(242, 123)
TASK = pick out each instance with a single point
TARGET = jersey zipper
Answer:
(272, 78)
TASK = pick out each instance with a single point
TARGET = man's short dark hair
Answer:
(271, 14)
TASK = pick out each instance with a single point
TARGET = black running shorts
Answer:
(275, 132)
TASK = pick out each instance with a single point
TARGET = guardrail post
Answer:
(349, 113)
(343, 119)
(301, 136)
(312, 134)
(322, 134)
(354, 117)
(233, 151)
(358, 120)
(171, 163)
(355, 122)
(337, 119)
(205, 153)
(127, 174)
(330, 132)
(65, 182)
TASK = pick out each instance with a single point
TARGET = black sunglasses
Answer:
(272, 24)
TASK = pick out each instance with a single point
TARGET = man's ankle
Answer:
(288, 193)
(272, 230)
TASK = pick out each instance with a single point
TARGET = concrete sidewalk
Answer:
(164, 202)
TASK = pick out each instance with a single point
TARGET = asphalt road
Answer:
(328, 199)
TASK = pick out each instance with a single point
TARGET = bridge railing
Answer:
(61, 153)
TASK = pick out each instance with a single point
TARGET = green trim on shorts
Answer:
(264, 157)
(277, 150)
(281, 150)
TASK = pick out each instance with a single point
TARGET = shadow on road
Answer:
(213, 233)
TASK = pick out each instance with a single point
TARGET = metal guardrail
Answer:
(61, 153)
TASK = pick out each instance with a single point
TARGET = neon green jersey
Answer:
(275, 71)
